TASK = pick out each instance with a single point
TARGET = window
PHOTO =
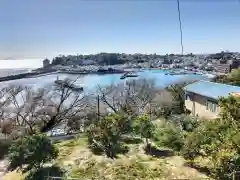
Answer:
(211, 106)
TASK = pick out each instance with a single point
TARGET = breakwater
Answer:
(51, 71)
(24, 75)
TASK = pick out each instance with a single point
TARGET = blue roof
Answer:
(211, 89)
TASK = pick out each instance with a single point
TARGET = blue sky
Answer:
(45, 28)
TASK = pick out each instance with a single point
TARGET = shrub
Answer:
(104, 136)
(217, 141)
(188, 123)
(167, 135)
(144, 127)
(200, 141)
(30, 152)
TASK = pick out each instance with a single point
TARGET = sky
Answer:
(46, 28)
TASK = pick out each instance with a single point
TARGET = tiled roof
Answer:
(211, 89)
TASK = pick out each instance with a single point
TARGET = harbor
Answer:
(92, 80)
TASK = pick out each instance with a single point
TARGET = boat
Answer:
(128, 74)
(67, 85)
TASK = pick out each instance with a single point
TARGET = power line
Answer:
(180, 24)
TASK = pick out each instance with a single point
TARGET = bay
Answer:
(90, 81)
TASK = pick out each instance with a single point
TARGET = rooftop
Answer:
(211, 89)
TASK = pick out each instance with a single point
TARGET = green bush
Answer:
(167, 135)
(31, 152)
(105, 135)
(188, 123)
(218, 142)
(144, 127)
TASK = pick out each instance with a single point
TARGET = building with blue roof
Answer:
(202, 97)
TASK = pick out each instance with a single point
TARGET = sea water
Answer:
(91, 81)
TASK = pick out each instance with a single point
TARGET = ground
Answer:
(80, 162)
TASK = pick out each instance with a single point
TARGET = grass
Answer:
(136, 164)
(81, 163)
(123, 170)
(14, 175)
(68, 146)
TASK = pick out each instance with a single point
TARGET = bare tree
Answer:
(134, 97)
(25, 104)
(66, 104)
(40, 109)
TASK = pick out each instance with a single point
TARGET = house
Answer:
(201, 98)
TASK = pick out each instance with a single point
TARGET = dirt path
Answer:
(3, 167)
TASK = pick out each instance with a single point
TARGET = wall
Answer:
(197, 106)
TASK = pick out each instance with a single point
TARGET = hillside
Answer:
(80, 162)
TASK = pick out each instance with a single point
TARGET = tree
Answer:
(32, 109)
(66, 103)
(31, 152)
(134, 97)
(144, 126)
(58, 61)
(105, 134)
(25, 107)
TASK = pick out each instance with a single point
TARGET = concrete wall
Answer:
(197, 106)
